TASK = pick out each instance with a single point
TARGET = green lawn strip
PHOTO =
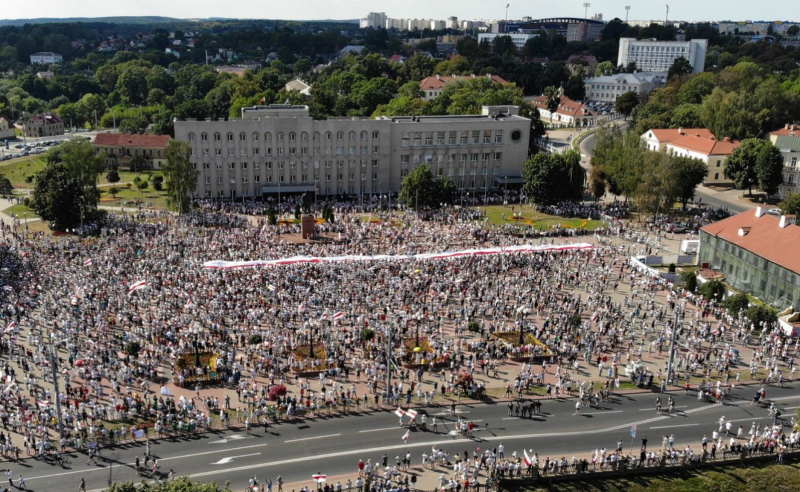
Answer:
(19, 211)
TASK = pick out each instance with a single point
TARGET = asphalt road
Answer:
(333, 445)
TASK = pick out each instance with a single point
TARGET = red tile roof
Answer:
(127, 140)
(438, 82)
(50, 118)
(765, 238)
(706, 145)
(566, 107)
(788, 131)
(665, 135)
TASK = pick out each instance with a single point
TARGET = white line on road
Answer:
(378, 430)
(662, 409)
(228, 459)
(671, 426)
(310, 438)
(744, 420)
(603, 413)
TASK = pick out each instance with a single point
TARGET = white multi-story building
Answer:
(787, 140)
(651, 55)
(519, 38)
(607, 88)
(438, 25)
(280, 148)
(757, 27)
(46, 58)
(452, 22)
(374, 20)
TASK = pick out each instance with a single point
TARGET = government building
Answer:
(281, 149)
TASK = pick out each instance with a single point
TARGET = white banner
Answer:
(525, 248)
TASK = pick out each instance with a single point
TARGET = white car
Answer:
(774, 211)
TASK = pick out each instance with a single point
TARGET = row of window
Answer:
(291, 136)
(256, 151)
(453, 138)
(485, 158)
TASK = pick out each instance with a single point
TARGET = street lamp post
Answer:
(672, 344)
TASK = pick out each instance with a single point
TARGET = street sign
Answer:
(633, 430)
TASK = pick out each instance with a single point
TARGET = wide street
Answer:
(333, 445)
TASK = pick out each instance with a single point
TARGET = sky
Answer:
(690, 10)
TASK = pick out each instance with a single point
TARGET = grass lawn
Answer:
(16, 170)
(127, 197)
(530, 217)
(125, 177)
(19, 211)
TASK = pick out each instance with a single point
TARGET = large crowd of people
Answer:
(130, 312)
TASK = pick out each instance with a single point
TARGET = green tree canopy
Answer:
(553, 178)
(626, 103)
(420, 188)
(180, 176)
(755, 162)
(791, 205)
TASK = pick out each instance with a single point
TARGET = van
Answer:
(690, 246)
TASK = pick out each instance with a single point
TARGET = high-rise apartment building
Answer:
(651, 55)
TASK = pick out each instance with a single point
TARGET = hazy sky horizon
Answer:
(688, 10)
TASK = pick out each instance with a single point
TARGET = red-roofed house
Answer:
(697, 143)
(757, 252)
(569, 113)
(43, 125)
(433, 86)
(121, 147)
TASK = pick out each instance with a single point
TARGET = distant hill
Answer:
(143, 20)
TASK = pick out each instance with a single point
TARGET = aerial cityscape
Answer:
(366, 247)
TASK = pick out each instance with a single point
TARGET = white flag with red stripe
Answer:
(405, 436)
(319, 477)
(11, 326)
(141, 284)
(411, 413)
(527, 458)
(87, 262)
(399, 412)
(338, 315)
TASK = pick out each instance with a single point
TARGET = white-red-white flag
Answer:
(319, 477)
(141, 284)
(338, 315)
(527, 458)
(399, 412)
(11, 326)
(411, 413)
(87, 262)
(405, 436)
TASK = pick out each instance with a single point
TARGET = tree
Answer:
(421, 189)
(689, 281)
(793, 30)
(133, 124)
(728, 114)
(553, 178)
(158, 181)
(691, 173)
(604, 68)
(138, 162)
(112, 176)
(60, 199)
(6, 188)
(762, 316)
(141, 185)
(553, 100)
(180, 175)
(680, 66)
(791, 205)
(713, 290)
(755, 162)
(113, 191)
(626, 103)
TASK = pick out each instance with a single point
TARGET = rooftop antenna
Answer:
(627, 9)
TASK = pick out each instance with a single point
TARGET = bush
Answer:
(26, 202)
(133, 348)
(736, 303)
(276, 391)
(474, 327)
(671, 268)
(367, 334)
(29, 179)
(254, 339)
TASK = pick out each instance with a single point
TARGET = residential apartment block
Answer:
(608, 88)
(280, 148)
(45, 125)
(787, 140)
(519, 38)
(120, 148)
(651, 55)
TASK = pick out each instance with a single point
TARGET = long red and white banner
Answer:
(524, 248)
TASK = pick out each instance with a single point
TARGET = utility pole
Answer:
(627, 9)
(388, 361)
(666, 19)
(506, 24)
(672, 344)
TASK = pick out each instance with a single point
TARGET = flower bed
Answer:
(425, 348)
(208, 360)
(303, 353)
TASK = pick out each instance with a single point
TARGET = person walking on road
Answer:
(578, 407)
(10, 475)
(83, 485)
(22, 482)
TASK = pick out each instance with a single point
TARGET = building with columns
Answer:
(280, 148)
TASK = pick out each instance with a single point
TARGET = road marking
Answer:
(231, 438)
(378, 430)
(672, 426)
(790, 408)
(228, 459)
(745, 420)
(512, 418)
(602, 413)
(662, 408)
(310, 438)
